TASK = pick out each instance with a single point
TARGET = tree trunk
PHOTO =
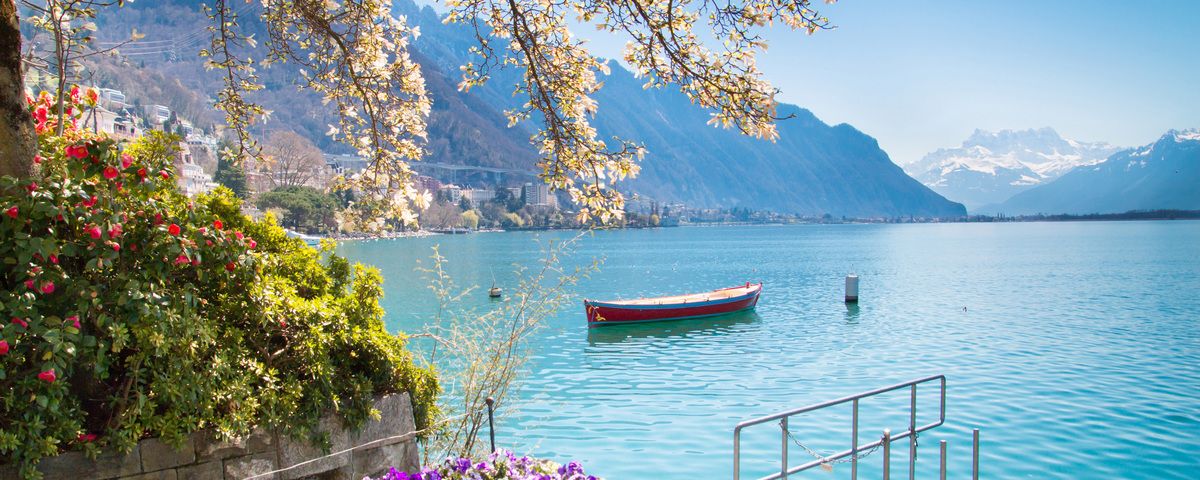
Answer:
(17, 143)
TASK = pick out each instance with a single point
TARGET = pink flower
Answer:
(110, 173)
(115, 231)
(126, 160)
(89, 202)
(116, 247)
(181, 259)
(29, 284)
(3, 347)
(54, 259)
(37, 159)
(238, 235)
(202, 230)
(164, 174)
(22, 323)
(47, 376)
(94, 232)
(12, 212)
(173, 229)
(75, 93)
(218, 225)
(48, 288)
(32, 187)
(253, 244)
(158, 219)
(195, 262)
(86, 437)
(74, 319)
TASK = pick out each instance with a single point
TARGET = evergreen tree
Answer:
(232, 176)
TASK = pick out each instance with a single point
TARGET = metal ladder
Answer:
(855, 449)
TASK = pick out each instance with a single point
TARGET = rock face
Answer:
(991, 167)
(1162, 175)
(373, 449)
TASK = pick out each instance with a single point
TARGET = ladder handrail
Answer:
(913, 429)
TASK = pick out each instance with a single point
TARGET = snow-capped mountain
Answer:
(991, 167)
(1162, 175)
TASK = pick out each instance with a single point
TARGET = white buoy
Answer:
(851, 288)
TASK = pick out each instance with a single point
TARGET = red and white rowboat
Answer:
(695, 305)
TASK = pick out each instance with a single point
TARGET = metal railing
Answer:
(855, 449)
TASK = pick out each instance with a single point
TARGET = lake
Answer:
(1073, 347)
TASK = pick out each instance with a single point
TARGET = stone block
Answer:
(395, 418)
(159, 455)
(208, 447)
(168, 474)
(211, 470)
(294, 452)
(107, 465)
(250, 465)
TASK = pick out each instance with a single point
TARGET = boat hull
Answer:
(604, 313)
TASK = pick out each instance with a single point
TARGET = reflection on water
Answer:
(852, 312)
(708, 326)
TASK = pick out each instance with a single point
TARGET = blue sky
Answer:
(923, 74)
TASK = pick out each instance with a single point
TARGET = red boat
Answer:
(695, 305)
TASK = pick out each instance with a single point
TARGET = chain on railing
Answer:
(827, 461)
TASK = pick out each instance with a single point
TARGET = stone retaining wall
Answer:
(204, 458)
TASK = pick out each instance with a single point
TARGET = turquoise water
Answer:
(1074, 347)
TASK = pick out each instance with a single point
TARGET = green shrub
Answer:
(134, 312)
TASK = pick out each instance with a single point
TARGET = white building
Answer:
(538, 194)
(190, 177)
(478, 196)
(157, 114)
(453, 192)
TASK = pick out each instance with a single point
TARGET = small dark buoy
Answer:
(494, 292)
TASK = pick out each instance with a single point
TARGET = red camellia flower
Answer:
(115, 231)
(48, 376)
(76, 151)
(94, 232)
(238, 235)
(158, 219)
(164, 174)
(202, 230)
(173, 229)
(29, 284)
(74, 319)
(116, 247)
(253, 244)
(110, 173)
(32, 187)
(230, 266)
(3, 347)
(54, 259)
(37, 159)
(22, 323)
(141, 172)
(218, 225)
(181, 259)
(126, 160)
(48, 288)
(89, 202)
(12, 212)
(87, 437)
(195, 262)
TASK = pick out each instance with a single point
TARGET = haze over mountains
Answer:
(1161, 175)
(813, 169)
(990, 167)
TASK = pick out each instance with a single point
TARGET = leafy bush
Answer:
(135, 312)
(500, 465)
(304, 208)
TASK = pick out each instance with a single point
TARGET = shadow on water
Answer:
(708, 326)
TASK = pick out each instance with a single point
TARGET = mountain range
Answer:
(813, 168)
(990, 167)
(1161, 175)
